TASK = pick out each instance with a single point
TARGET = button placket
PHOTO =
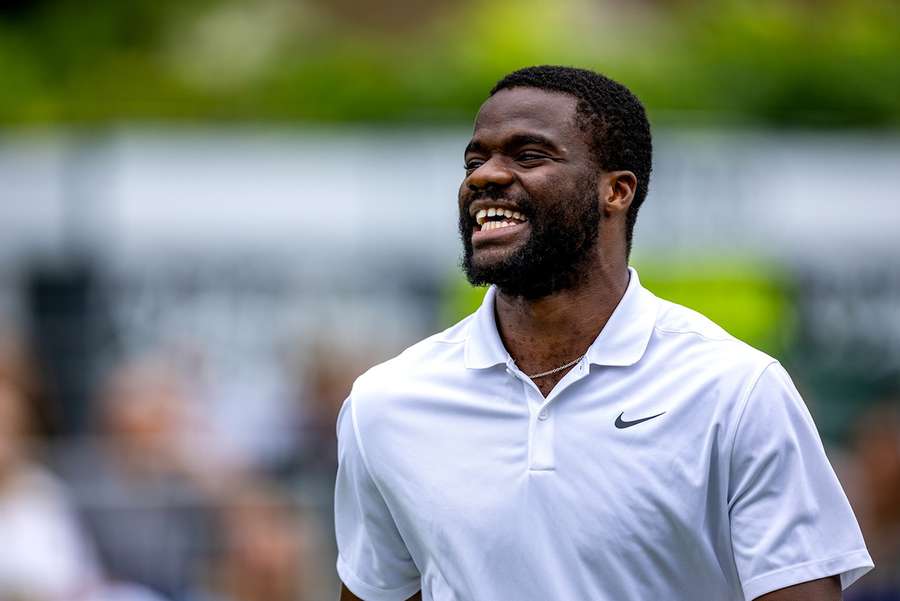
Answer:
(541, 423)
(542, 437)
(540, 455)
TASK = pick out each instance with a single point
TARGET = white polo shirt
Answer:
(673, 462)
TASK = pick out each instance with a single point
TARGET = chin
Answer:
(485, 262)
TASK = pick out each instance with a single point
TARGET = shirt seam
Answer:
(362, 448)
(388, 591)
(459, 341)
(726, 338)
(799, 566)
(362, 453)
(742, 410)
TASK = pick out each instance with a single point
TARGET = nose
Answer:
(491, 173)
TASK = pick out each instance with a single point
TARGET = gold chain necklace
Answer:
(558, 369)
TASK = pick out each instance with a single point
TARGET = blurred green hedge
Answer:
(830, 63)
(749, 298)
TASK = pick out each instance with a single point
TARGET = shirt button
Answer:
(543, 415)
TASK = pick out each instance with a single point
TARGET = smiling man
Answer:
(578, 438)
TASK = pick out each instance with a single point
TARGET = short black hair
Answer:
(621, 131)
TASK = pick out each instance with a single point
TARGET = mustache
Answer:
(491, 193)
(522, 200)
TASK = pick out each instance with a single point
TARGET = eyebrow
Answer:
(514, 141)
(526, 139)
(474, 146)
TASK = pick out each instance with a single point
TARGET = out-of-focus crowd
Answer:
(870, 473)
(148, 505)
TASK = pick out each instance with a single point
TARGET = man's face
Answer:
(529, 210)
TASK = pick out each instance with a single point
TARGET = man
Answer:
(578, 438)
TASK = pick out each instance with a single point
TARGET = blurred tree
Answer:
(747, 298)
(775, 62)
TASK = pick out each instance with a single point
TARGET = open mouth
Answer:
(495, 218)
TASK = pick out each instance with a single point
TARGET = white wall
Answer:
(325, 198)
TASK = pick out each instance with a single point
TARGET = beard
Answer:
(563, 237)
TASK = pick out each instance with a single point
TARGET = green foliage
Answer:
(747, 298)
(788, 62)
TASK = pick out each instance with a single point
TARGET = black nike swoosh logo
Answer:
(621, 424)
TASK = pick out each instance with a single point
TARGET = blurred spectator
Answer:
(327, 378)
(46, 556)
(17, 368)
(874, 477)
(138, 489)
(120, 591)
(266, 552)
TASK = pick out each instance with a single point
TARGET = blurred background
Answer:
(215, 214)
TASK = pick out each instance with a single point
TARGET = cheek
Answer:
(463, 194)
(551, 183)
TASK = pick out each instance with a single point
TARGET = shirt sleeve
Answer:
(790, 519)
(373, 561)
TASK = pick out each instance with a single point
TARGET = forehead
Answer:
(522, 109)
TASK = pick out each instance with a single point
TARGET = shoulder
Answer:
(703, 359)
(688, 329)
(675, 319)
(685, 339)
(438, 354)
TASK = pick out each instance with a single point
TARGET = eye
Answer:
(473, 164)
(530, 156)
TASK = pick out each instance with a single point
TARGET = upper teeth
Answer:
(483, 214)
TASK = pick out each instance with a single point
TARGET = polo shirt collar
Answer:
(622, 341)
(483, 345)
(625, 336)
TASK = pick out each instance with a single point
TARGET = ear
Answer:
(616, 192)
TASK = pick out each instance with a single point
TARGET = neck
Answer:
(544, 333)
